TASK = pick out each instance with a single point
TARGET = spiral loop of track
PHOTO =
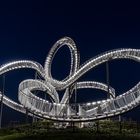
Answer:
(62, 110)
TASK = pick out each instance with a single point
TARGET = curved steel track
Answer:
(62, 110)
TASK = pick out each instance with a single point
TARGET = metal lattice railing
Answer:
(62, 110)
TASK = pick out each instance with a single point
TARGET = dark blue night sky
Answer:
(28, 29)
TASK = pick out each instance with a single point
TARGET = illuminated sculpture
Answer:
(62, 110)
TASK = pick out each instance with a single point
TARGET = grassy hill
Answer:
(45, 130)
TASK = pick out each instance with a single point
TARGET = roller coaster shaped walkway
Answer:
(63, 110)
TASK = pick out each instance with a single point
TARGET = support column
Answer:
(120, 124)
(107, 78)
(26, 121)
(1, 102)
(34, 117)
(75, 100)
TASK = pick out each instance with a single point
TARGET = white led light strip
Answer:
(62, 110)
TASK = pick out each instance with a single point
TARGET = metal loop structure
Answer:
(63, 110)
